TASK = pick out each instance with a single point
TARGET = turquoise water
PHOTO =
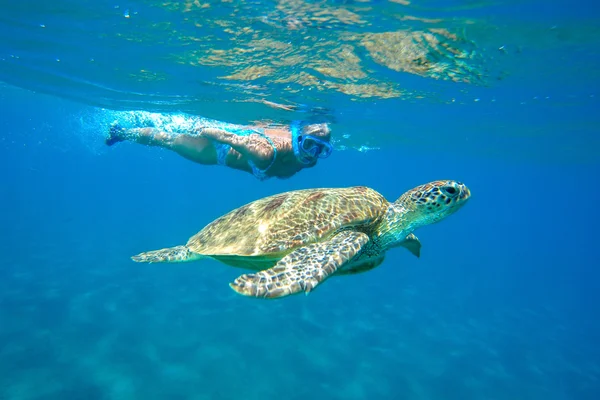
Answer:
(503, 302)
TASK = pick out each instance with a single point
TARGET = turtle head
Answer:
(432, 202)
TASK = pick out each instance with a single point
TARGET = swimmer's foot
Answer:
(114, 135)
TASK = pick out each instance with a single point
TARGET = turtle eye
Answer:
(450, 190)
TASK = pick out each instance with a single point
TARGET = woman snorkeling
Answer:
(263, 151)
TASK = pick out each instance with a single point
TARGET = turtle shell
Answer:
(271, 227)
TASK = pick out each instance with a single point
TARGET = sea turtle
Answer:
(296, 240)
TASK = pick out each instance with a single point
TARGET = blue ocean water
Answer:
(502, 304)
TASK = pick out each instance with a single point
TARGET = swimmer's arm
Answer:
(254, 146)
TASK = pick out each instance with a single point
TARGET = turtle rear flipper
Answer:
(303, 269)
(170, 254)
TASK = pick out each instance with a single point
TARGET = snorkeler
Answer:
(265, 152)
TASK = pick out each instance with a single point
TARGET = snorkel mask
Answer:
(308, 148)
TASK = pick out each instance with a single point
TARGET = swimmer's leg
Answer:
(192, 147)
(115, 135)
(147, 136)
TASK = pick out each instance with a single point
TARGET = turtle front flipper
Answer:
(303, 269)
(412, 243)
(170, 254)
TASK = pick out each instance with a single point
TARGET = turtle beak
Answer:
(465, 193)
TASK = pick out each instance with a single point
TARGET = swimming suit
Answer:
(223, 151)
